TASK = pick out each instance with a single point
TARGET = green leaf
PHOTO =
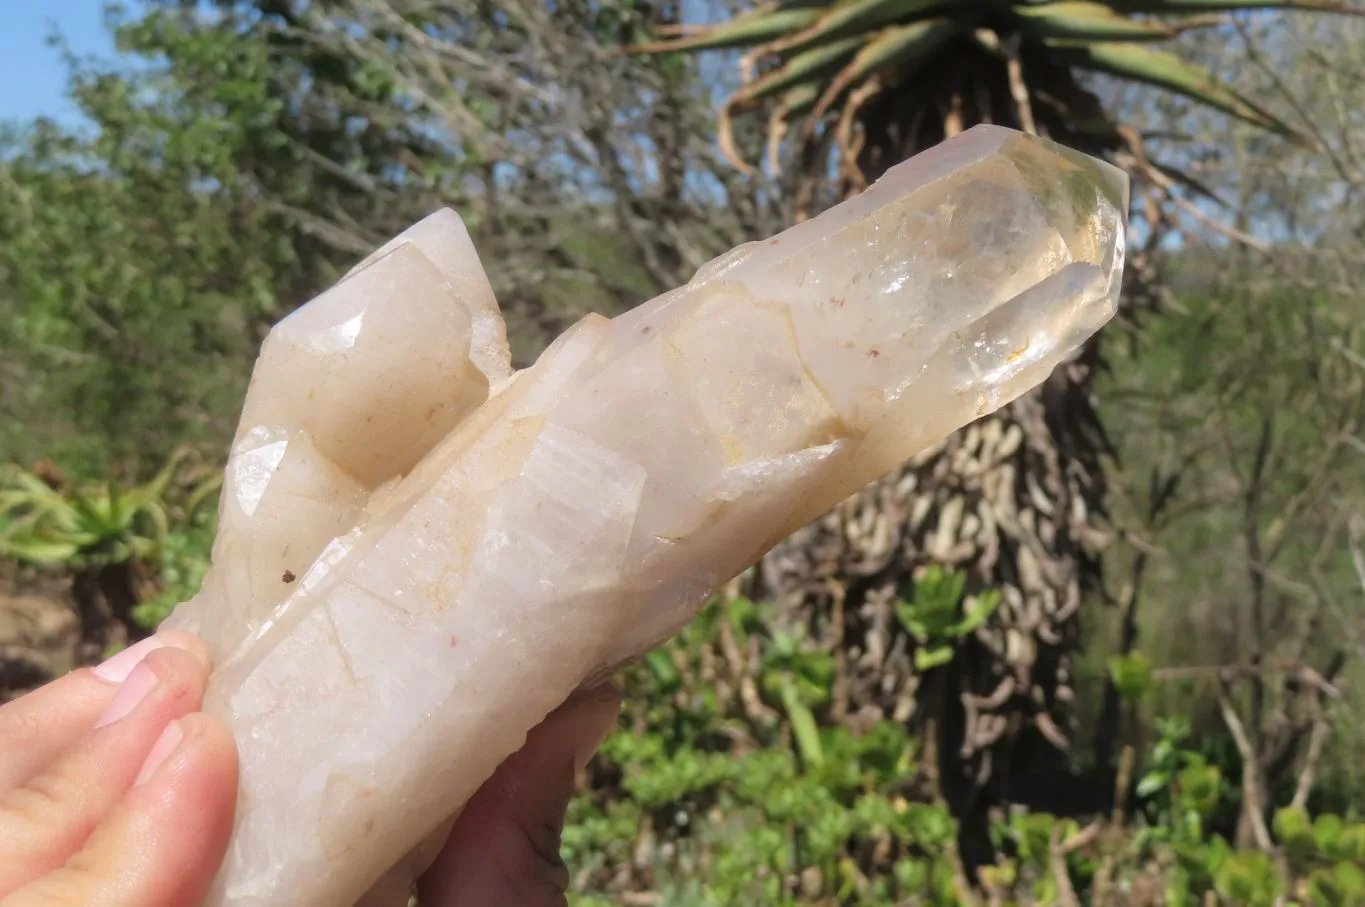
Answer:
(980, 607)
(1343, 885)
(1002, 875)
(149, 615)
(30, 482)
(1351, 843)
(1131, 675)
(1152, 783)
(160, 520)
(804, 728)
(99, 512)
(1249, 879)
(36, 551)
(1294, 832)
(1200, 786)
(1080, 20)
(862, 17)
(753, 28)
(1350, 879)
(810, 65)
(149, 492)
(1175, 728)
(929, 657)
(940, 589)
(202, 492)
(34, 505)
(908, 617)
(798, 100)
(40, 499)
(665, 672)
(1214, 6)
(1327, 834)
(905, 47)
(1163, 69)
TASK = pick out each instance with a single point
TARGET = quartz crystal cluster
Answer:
(422, 553)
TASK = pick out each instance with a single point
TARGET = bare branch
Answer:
(1308, 773)
(1253, 804)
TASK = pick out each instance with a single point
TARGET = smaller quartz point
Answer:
(422, 554)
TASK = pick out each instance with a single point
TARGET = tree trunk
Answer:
(1012, 501)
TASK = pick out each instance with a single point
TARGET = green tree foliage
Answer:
(705, 798)
(144, 253)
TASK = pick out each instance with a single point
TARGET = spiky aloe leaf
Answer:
(12, 500)
(859, 17)
(755, 27)
(39, 551)
(29, 482)
(24, 501)
(1080, 20)
(45, 505)
(904, 47)
(1164, 69)
(160, 520)
(804, 69)
(799, 99)
(1176, 7)
(100, 512)
(808, 65)
(149, 493)
(201, 493)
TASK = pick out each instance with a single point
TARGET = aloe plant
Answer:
(112, 540)
(807, 59)
(82, 527)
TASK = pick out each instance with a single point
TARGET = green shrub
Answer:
(702, 799)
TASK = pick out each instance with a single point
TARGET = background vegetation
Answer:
(1103, 648)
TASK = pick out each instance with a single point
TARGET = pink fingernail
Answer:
(133, 690)
(117, 668)
(161, 751)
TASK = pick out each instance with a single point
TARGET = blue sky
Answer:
(32, 78)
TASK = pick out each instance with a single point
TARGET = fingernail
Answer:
(117, 668)
(133, 690)
(161, 751)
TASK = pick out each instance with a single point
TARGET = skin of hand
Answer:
(117, 791)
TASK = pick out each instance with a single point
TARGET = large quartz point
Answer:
(421, 553)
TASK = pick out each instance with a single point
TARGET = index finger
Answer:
(38, 727)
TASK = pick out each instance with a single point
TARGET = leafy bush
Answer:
(710, 797)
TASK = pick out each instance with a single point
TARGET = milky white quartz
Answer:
(421, 553)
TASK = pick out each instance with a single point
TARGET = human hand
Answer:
(504, 849)
(116, 791)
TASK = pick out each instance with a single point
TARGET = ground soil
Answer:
(40, 631)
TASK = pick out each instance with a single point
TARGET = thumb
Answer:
(504, 850)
